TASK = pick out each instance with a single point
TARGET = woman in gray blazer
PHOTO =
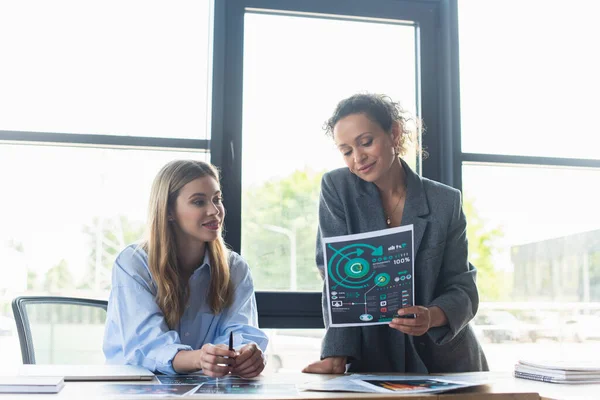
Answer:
(378, 190)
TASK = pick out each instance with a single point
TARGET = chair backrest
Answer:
(60, 330)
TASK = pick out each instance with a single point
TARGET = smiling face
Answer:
(198, 211)
(367, 149)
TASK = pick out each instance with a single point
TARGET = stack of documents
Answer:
(559, 371)
(30, 384)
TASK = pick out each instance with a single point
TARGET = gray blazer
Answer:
(443, 276)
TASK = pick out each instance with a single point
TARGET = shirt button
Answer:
(187, 334)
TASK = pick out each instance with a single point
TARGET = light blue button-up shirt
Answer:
(136, 331)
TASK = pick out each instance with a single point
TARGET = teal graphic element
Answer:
(382, 279)
(347, 269)
(382, 297)
(356, 268)
(378, 251)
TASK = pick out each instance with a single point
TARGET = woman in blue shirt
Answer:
(176, 297)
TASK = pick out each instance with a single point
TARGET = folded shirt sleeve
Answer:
(136, 330)
(241, 316)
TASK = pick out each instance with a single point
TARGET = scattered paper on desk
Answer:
(411, 385)
(390, 384)
(183, 379)
(198, 379)
(137, 389)
(332, 385)
(247, 388)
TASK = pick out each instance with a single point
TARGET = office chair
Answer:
(60, 330)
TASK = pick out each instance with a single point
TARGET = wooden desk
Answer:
(503, 387)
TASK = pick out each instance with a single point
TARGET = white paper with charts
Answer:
(369, 276)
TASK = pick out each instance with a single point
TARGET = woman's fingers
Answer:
(416, 326)
(216, 360)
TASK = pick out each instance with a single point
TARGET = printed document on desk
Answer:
(191, 379)
(147, 390)
(400, 385)
(229, 384)
(369, 276)
(247, 387)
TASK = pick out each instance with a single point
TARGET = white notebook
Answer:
(587, 366)
(31, 384)
(104, 372)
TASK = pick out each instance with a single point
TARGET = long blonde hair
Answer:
(160, 245)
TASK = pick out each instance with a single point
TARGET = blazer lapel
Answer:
(372, 217)
(368, 202)
(415, 205)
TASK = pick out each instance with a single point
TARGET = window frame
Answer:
(437, 103)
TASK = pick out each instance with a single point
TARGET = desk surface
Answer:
(503, 387)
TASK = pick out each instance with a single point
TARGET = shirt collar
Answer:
(205, 262)
(206, 257)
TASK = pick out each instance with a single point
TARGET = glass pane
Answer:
(66, 334)
(537, 250)
(290, 350)
(529, 77)
(133, 68)
(292, 82)
(65, 215)
(9, 341)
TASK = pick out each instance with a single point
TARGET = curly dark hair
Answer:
(380, 109)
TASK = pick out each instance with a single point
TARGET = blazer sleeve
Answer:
(333, 222)
(456, 290)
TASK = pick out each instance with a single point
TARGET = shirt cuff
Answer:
(165, 356)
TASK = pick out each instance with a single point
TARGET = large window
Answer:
(529, 166)
(95, 98)
(292, 82)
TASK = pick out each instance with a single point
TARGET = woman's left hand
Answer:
(413, 326)
(250, 361)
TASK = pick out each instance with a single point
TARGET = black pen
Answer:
(412, 316)
(230, 341)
